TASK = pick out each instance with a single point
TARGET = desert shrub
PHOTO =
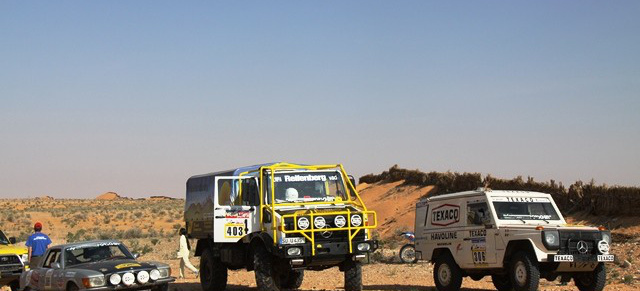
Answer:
(133, 233)
(155, 241)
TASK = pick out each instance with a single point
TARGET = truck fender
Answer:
(203, 244)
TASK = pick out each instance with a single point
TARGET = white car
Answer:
(516, 237)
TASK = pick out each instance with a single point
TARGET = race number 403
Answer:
(233, 230)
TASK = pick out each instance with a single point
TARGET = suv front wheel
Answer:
(524, 274)
(446, 274)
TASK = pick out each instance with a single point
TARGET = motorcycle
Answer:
(408, 251)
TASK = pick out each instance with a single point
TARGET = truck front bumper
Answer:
(325, 249)
(580, 258)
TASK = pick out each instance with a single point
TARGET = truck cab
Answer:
(278, 219)
(516, 237)
(13, 260)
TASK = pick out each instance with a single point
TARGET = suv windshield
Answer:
(3, 239)
(306, 186)
(95, 253)
(524, 208)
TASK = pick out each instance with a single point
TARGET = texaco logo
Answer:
(582, 247)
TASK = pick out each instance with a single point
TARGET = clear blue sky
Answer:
(136, 96)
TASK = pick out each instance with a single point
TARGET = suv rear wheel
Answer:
(591, 281)
(525, 274)
(446, 274)
(213, 274)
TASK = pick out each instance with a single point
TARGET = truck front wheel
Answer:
(525, 274)
(266, 276)
(591, 281)
(213, 274)
(353, 276)
(293, 279)
(446, 274)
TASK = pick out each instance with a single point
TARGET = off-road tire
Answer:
(266, 277)
(524, 272)
(213, 273)
(293, 279)
(451, 277)
(591, 281)
(163, 287)
(15, 285)
(403, 258)
(352, 276)
(502, 282)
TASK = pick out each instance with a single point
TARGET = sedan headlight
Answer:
(142, 277)
(90, 282)
(551, 239)
(164, 272)
(128, 279)
(303, 223)
(154, 275)
(356, 220)
(340, 221)
(115, 279)
(319, 222)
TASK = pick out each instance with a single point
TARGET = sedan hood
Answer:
(107, 267)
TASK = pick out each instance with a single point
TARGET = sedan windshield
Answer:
(525, 209)
(95, 253)
(306, 186)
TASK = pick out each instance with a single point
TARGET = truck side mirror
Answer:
(353, 180)
(266, 215)
(12, 240)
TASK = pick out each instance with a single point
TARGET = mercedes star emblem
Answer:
(582, 247)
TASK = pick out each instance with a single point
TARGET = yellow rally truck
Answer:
(278, 219)
(12, 261)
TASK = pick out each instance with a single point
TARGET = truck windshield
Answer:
(519, 208)
(306, 186)
(3, 239)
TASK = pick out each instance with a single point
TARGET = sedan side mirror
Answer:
(136, 255)
(12, 240)
(55, 266)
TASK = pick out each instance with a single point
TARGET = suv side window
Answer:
(477, 213)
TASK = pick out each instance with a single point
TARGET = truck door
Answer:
(479, 237)
(235, 209)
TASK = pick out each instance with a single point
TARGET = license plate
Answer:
(605, 258)
(563, 258)
(293, 240)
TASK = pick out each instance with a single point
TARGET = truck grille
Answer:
(579, 242)
(9, 260)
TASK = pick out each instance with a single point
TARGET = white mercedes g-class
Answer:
(516, 237)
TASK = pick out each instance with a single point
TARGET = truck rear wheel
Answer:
(213, 274)
(353, 276)
(293, 279)
(446, 274)
(591, 281)
(525, 274)
(266, 277)
(501, 282)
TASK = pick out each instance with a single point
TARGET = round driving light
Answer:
(603, 247)
(303, 223)
(115, 279)
(356, 220)
(550, 238)
(340, 221)
(154, 275)
(606, 237)
(143, 277)
(128, 279)
(294, 251)
(363, 247)
(319, 222)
